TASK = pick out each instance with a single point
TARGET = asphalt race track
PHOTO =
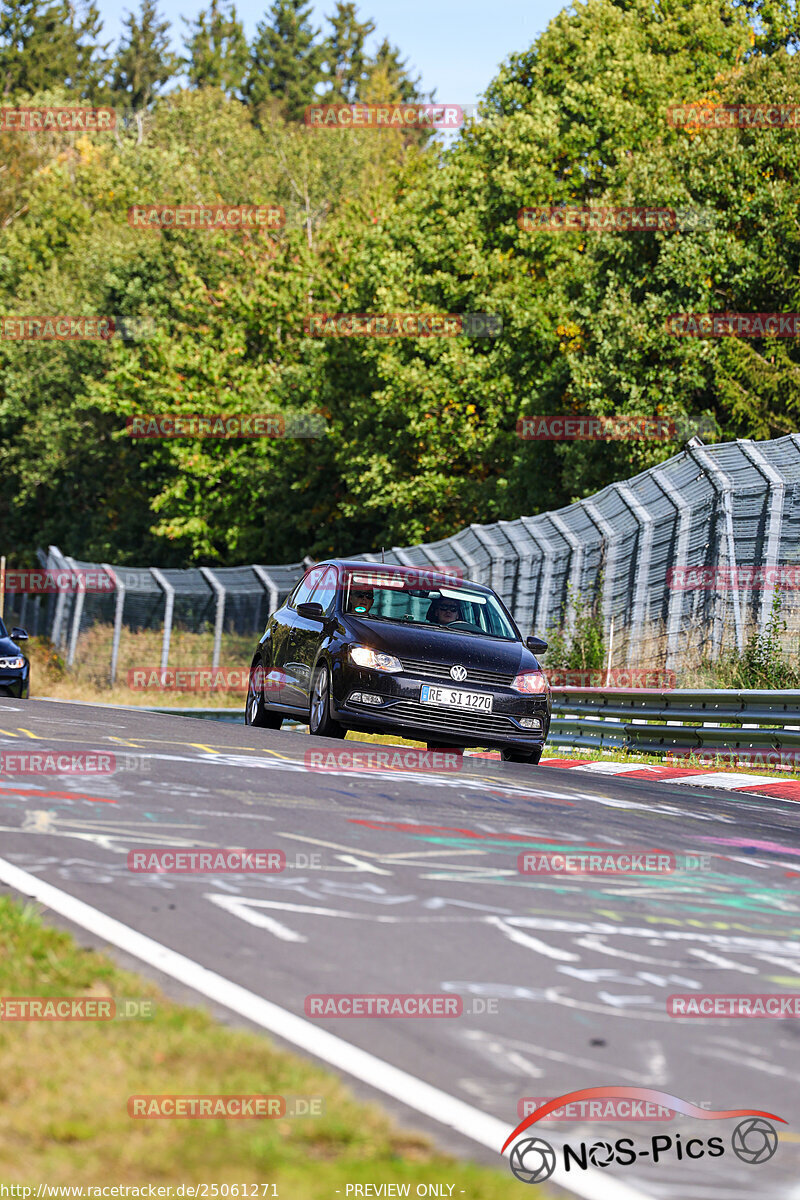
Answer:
(564, 981)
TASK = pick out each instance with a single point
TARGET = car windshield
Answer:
(383, 596)
(3, 630)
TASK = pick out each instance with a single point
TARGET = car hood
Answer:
(9, 649)
(437, 646)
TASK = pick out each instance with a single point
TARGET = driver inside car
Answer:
(444, 610)
(361, 600)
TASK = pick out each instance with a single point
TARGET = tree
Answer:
(345, 66)
(143, 62)
(285, 59)
(49, 44)
(217, 49)
(390, 74)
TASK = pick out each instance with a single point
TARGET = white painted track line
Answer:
(480, 1127)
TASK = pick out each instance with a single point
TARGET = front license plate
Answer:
(455, 698)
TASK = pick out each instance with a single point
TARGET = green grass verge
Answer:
(64, 1089)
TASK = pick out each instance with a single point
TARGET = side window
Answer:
(303, 592)
(325, 591)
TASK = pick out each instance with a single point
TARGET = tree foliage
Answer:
(421, 432)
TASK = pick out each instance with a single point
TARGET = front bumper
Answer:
(15, 683)
(403, 715)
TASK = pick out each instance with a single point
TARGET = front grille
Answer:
(442, 671)
(451, 721)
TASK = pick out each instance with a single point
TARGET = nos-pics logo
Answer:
(532, 1160)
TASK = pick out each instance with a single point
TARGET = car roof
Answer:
(360, 564)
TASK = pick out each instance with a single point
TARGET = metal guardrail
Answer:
(683, 719)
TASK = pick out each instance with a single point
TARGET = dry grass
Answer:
(64, 1088)
(88, 678)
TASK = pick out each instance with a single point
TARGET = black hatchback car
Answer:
(404, 651)
(14, 666)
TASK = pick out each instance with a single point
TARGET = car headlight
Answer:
(11, 664)
(362, 656)
(532, 683)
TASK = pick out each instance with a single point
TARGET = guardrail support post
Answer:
(169, 608)
(642, 581)
(219, 620)
(777, 496)
(119, 604)
(77, 612)
(576, 567)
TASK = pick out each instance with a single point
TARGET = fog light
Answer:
(365, 698)
(530, 723)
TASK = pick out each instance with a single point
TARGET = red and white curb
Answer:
(731, 781)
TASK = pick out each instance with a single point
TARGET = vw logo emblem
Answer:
(458, 673)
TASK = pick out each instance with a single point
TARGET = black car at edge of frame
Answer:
(14, 665)
(410, 652)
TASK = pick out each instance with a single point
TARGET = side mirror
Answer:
(536, 645)
(310, 609)
(19, 634)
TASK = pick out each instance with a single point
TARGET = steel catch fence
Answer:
(684, 559)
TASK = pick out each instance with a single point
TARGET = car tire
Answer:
(320, 721)
(522, 756)
(255, 711)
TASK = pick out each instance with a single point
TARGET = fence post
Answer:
(58, 619)
(485, 538)
(515, 536)
(211, 579)
(119, 604)
(683, 511)
(777, 496)
(269, 585)
(77, 612)
(724, 488)
(609, 536)
(548, 555)
(576, 566)
(169, 608)
(642, 583)
(465, 556)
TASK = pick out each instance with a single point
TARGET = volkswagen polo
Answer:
(404, 651)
